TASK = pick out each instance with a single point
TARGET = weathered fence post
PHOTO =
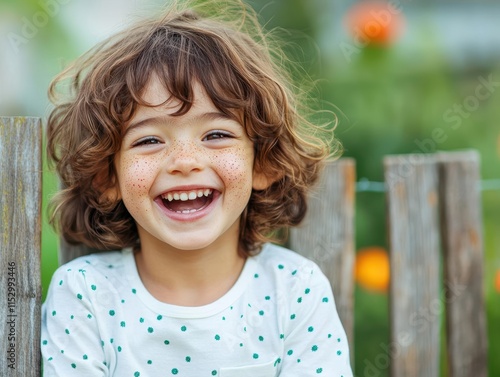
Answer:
(415, 305)
(68, 252)
(327, 235)
(461, 223)
(20, 280)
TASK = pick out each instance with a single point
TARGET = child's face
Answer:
(185, 179)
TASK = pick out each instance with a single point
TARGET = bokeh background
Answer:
(402, 77)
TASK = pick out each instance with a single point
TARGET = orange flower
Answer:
(497, 281)
(374, 21)
(372, 269)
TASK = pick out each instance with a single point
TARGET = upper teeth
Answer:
(186, 195)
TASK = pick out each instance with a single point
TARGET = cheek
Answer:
(235, 168)
(135, 176)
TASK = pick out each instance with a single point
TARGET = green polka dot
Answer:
(261, 312)
(261, 338)
(166, 342)
(299, 300)
(214, 373)
(54, 312)
(339, 353)
(256, 276)
(111, 340)
(72, 316)
(292, 316)
(150, 362)
(310, 329)
(290, 352)
(150, 330)
(111, 313)
(123, 301)
(73, 365)
(141, 320)
(66, 331)
(44, 342)
(217, 337)
(282, 336)
(89, 316)
(188, 359)
(183, 328)
(278, 360)
(79, 296)
(85, 357)
(280, 266)
(122, 323)
(93, 287)
(294, 272)
(159, 317)
(314, 348)
(175, 371)
(267, 298)
(319, 370)
(307, 291)
(134, 291)
(255, 355)
(119, 349)
(60, 282)
(137, 374)
(49, 359)
(223, 318)
(338, 340)
(325, 299)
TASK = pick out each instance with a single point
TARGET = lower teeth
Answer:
(187, 211)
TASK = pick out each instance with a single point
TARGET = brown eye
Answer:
(146, 141)
(216, 135)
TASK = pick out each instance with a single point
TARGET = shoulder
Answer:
(99, 264)
(288, 266)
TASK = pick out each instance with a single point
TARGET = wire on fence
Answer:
(365, 185)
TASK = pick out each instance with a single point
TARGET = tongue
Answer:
(179, 205)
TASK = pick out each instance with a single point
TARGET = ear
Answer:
(111, 194)
(261, 181)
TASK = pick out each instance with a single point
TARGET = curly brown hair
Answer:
(239, 71)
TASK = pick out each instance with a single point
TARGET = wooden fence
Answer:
(434, 224)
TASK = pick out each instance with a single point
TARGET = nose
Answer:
(184, 157)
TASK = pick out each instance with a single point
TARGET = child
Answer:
(181, 147)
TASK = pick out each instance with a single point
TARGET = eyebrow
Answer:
(165, 119)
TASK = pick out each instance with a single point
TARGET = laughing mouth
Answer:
(187, 201)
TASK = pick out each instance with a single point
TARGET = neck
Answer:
(189, 277)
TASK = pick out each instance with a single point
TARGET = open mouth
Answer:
(187, 201)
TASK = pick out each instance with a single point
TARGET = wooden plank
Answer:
(462, 234)
(413, 232)
(327, 235)
(20, 280)
(68, 252)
